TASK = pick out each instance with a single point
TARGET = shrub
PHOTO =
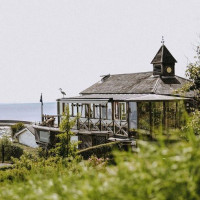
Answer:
(10, 150)
(102, 150)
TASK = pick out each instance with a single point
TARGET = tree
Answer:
(193, 73)
(65, 147)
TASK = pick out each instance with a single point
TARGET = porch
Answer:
(123, 115)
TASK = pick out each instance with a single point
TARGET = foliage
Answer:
(64, 147)
(102, 150)
(17, 127)
(10, 149)
(193, 123)
(157, 171)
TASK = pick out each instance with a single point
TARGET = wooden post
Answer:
(58, 112)
(150, 118)
(77, 116)
(128, 117)
(113, 116)
(164, 116)
(176, 115)
(88, 117)
(100, 116)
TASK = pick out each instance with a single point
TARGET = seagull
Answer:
(62, 92)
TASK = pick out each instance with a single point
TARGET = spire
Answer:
(163, 55)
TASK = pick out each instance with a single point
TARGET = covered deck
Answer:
(123, 114)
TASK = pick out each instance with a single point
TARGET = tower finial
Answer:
(163, 41)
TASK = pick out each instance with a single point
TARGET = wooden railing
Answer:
(118, 127)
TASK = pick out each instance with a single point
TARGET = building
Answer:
(119, 106)
(27, 137)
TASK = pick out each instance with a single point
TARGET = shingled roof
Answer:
(138, 83)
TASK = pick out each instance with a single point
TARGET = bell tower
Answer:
(163, 62)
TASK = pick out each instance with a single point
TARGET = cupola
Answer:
(163, 62)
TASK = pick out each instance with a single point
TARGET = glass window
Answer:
(44, 136)
(96, 108)
(104, 111)
(74, 110)
(116, 110)
(123, 111)
(109, 110)
(133, 115)
(91, 110)
(82, 110)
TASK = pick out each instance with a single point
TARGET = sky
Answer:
(50, 44)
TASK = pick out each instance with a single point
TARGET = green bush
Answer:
(102, 150)
(156, 172)
(10, 149)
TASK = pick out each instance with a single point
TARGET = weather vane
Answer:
(163, 41)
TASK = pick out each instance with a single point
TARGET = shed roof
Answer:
(138, 83)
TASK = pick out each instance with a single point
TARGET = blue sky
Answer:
(50, 44)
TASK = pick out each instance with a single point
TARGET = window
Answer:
(109, 110)
(104, 111)
(74, 110)
(44, 136)
(133, 115)
(96, 109)
(123, 111)
(157, 68)
(82, 110)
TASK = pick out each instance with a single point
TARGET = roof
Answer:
(119, 97)
(138, 83)
(163, 56)
(29, 128)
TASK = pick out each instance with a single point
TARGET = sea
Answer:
(24, 112)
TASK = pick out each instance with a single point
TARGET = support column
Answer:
(128, 117)
(113, 116)
(100, 116)
(150, 119)
(77, 116)
(164, 116)
(58, 112)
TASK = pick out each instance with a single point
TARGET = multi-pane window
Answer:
(120, 110)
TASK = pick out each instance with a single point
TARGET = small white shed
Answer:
(27, 137)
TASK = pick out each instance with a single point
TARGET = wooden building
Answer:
(119, 105)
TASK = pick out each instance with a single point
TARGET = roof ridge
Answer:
(156, 85)
(132, 73)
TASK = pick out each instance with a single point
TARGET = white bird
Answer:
(62, 92)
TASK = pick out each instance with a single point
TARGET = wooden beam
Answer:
(150, 119)
(128, 113)
(100, 117)
(58, 112)
(164, 116)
